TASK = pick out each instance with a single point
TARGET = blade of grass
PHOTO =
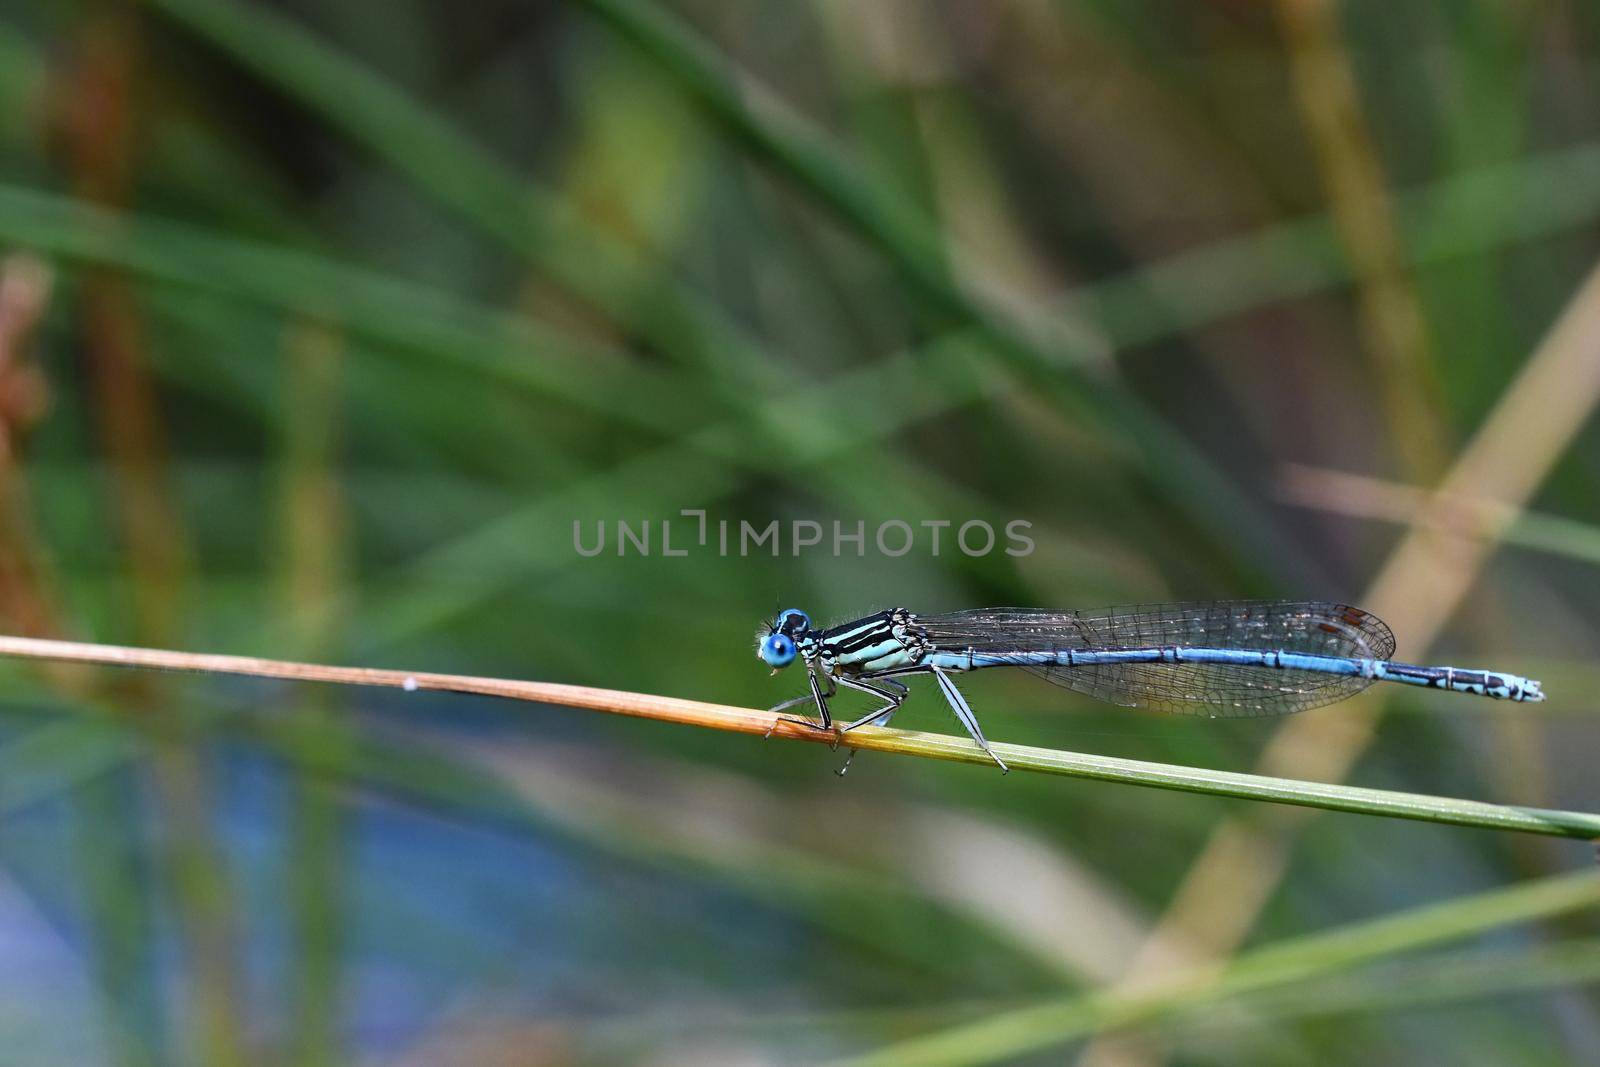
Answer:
(1445, 978)
(371, 110)
(1453, 977)
(1214, 282)
(458, 171)
(932, 746)
(1509, 203)
(1424, 580)
(536, 793)
(1361, 496)
(109, 875)
(680, 818)
(1513, 202)
(506, 347)
(103, 828)
(452, 578)
(1522, 201)
(36, 766)
(151, 536)
(404, 315)
(1496, 116)
(104, 836)
(506, 206)
(780, 136)
(1197, 492)
(391, 312)
(314, 523)
(1011, 1034)
(378, 305)
(693, 808)
(1394, 328)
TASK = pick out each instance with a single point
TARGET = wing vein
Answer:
(1311, 626)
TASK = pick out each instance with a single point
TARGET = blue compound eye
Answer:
(792, 621)
(777, 650)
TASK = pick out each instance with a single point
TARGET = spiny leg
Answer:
(803, 698)
(808, 697)
(820, 699)
(958, 704)
(880, 716)
(892, 701)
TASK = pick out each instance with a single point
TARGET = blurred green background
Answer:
(322, 323)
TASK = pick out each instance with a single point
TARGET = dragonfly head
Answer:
(777, 641)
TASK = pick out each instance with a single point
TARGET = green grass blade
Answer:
(1011, 1034)
(456, 170)
(794, 148)
(401, 314)
(1361, 496)
(1534, 197)
(507, 207)
(1221, 515)
(90, 745)
(1445, 979)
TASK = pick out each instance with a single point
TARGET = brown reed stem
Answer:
(1322, 795)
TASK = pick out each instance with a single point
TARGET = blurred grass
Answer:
(1394, 331)
(1371, 498)
(1435, 980)
(1424, 581)
(368, 108)
(390, 311)
(504, 206)
(314, 551)
(1006, 1035)
(533, 796)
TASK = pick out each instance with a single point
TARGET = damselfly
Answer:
(1225, 659)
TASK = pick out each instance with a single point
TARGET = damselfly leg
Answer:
(958, 704)
(891, 700)
(804, 698)
(817, 697)
(880, 716)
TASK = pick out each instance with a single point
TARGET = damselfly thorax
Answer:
(886, 641)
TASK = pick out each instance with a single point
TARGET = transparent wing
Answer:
(1311, 626)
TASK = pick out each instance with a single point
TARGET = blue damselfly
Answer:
(1222, 659)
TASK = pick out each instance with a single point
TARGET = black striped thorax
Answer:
(892, 635)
